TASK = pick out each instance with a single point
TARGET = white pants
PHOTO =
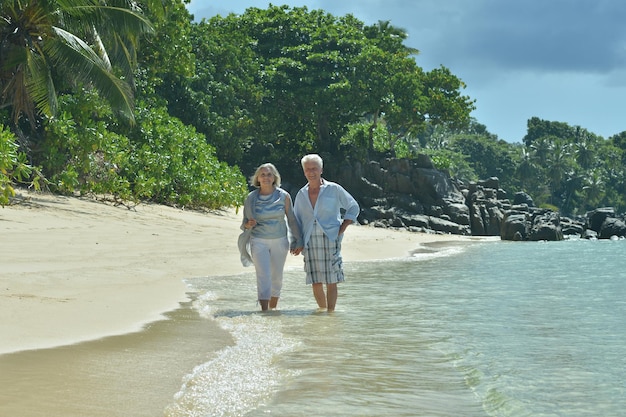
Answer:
(269, 256)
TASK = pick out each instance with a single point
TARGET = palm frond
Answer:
(40, 85)
(72, 54)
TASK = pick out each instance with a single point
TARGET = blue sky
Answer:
(559, 60)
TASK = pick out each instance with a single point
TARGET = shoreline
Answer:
(77, 270)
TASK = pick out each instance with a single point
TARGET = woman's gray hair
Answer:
(312, 157)
(254, 179)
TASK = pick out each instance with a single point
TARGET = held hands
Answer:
(250, 224)
(296, 251)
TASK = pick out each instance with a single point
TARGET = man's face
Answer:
(312, 171)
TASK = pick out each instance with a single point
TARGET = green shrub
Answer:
(81, 154)
(160, 159)
(173, 164)
(13, 166)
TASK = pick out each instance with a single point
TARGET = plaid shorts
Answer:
(322, 259)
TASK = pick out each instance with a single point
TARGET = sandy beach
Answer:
(78, 272)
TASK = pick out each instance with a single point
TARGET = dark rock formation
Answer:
(605, 223)
(546, 225)
(413, 195)
(487, 204)
(409, 194)
(571, 227)
(515, 226)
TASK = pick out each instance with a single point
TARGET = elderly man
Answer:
(317, 209)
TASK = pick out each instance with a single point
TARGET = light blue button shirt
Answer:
(327, 211)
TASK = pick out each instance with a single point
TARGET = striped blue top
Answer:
(272, 220)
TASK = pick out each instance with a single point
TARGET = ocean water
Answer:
(482, 329)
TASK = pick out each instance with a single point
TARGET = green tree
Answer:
(559, 162)
(166, 59)
(307, 59)
(315, 76)
(613, 174)
(527, 171)
(389, 38)
(619, 141)
(585, 154)
(50, 46)
(488, 157)
(580, 169)
(537, 128)
(224, 91)
(407, 100)
(593, 189)
(446, 105)
(541, 148)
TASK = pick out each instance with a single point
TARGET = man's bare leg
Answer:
(331, 296)
(320, 297)
(273, 302)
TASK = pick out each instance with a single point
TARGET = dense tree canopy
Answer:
(213, 99)
(272, 84)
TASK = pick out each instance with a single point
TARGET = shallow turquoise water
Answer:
(486, 329)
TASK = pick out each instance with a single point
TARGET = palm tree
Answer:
(541, 148)
(585, 147)
(48, 46)
(527, 170)
(594, 188)
(585, 154)
(559, 164)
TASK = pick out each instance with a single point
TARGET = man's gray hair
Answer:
(312, 157)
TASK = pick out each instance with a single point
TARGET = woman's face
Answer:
(265, 177)
(312, 172)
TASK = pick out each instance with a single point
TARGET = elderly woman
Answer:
(318, 208)
(264, 214)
